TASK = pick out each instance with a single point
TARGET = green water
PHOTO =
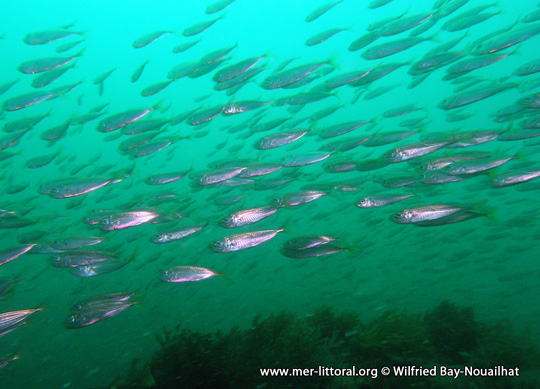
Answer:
(489, 264)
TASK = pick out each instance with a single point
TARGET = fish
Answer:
(380, 200)
(404, 24)
(318, 251)
(323, 36)
(122, 119)
(280, 139)
(177, 234)
(217, 6)
(166, 178)
(10, 321)
(505, 40)
(13, 253)
(48, 63)
(287, 77)
(247, 217)
(216, 176)
(47, 36)
(29, 99)
(425, 213)
(472, 96)
(200, 27)
(79, 258)
(297, 198)
(364, 40)
(180, 48)
(513, 178)
(68, 46)
(96, 313)
(103, 299)
(243, 241)
(304, 159)
(46, 78)
(148, 38)
(320, 11)
(229, 72)
(71, 187)
(415, 150)
(389, 48)
(187, 274)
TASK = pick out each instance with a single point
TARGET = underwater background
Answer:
(488, 263)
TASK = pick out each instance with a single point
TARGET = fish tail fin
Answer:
(224, 275)
(488, 212)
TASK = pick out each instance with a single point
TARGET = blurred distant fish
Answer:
(389, 48)
(217, 6)
(44, 64)
(138, 71)
(505, 40)
(323, 36)
(286, 77)
(43, 37)
(197, 28)
(99, 80)
(229, 72)
(71, 187)
(148, 38)
(318, 12)
(181, 47)
(122, 119)
(26, 100)
(46, 78)
(472, 96)
(317, 251)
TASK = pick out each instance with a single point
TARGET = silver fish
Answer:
(244, 241)
(187, 274)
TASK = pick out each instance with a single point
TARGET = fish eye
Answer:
(77, 306)
(218, 243)
(105, 221)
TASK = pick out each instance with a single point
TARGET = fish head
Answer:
(402, 217)
(166, 275)
(108, 223)
(74, 320)
(203, 180)
(366, 202)
(161, 237)
(263, 143)
(221, 246)
(528, 100)
(229, 221)
(278, 201)
(45, 188)
(152, 180)
(56, 260)
(371, 53)
(447, 103)
(394, 155)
